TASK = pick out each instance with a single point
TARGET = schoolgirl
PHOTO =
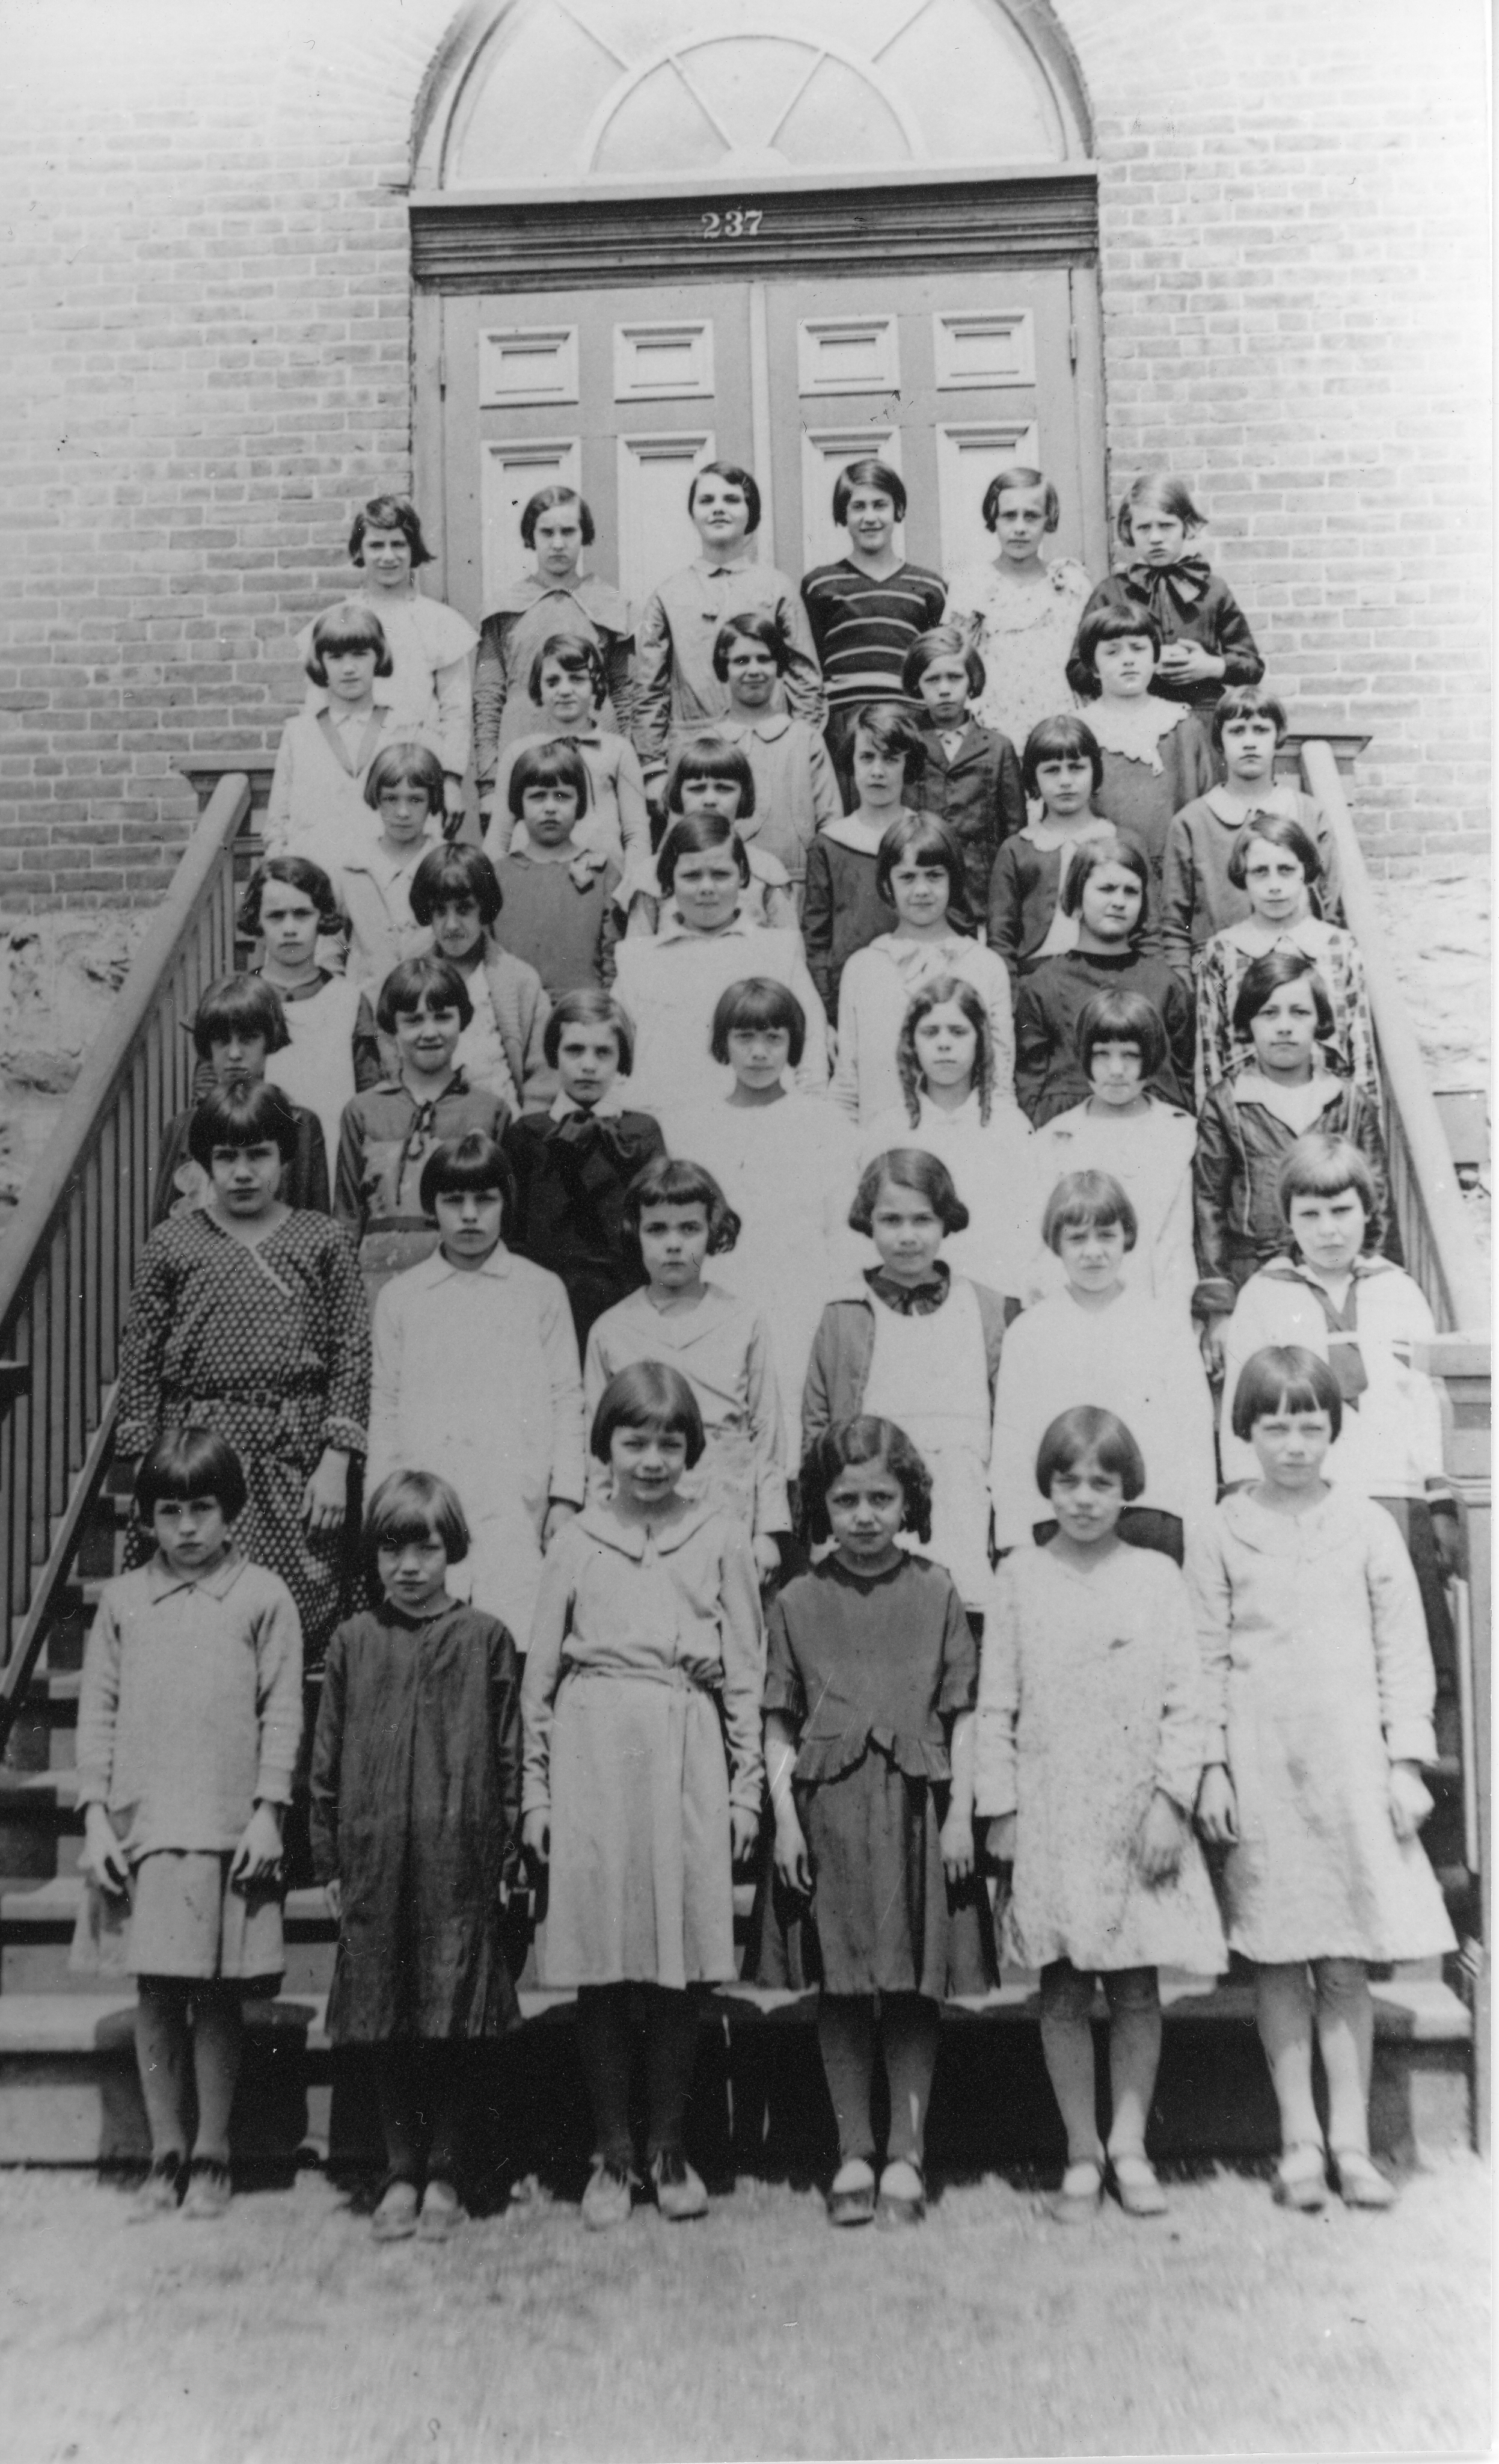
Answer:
(561, 916)
(317, 801)
(1156, 752)
(569, 689)
(1205, 638)
(713, 777)
(796, 790)
(843, 909)
(676, 1218)
(238, 1025)
(372, 880)
(921, 873)
(1319, 1696)
(1087, 1754)
(867, 608)
(1107, 891)
(868, 1694)
(1196, 896)
(415, 1824)
(1276, 866)
(456, 897)
(470, 1327)
(1021, 611)
(642, 1770)
(972, 776)
(1062, 767)
(333, 1047)
(531, 615)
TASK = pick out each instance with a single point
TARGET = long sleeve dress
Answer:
(1190, 603)
(1247, 1127)
(1049, 1075)
(572, 1169)
(677, 695)
(796, 789)
(416, 1813)
(269, 1344)
(878, 986)
(527, 613)
(1149, 1154)
(973, 784)
(386, 1138)
(842, 910)
(616, 824)
(1224, 963)
(318, 784)
(643, 1681)
(1022, 632)
(1156, 757)
(1089, 1699)
(727, 1352)
(671, 984)
(990, 1163)
(1319, 1678)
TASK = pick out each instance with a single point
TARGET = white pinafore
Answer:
(929, 1375)
(316, 1068)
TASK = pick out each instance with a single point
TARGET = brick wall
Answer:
(205, 359)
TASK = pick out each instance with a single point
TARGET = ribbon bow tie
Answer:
(1178, 587)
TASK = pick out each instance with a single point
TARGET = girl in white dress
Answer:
(1089, 1752)
(334, 1051)
(316, 802)
(1021, 612)
(1320, 1702)
(921, 873)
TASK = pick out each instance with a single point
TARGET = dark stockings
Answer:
(603, 2049)
(906, 2025)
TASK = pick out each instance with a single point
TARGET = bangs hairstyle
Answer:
(349, 627)
(908, 1168)
(1061, 739)
(669, 1181)
(751, 625)
(937, 994)
(451, 872)
(1285, 1377)
(542, 502)
(428, 979)
(406, 765)
(735, 475)
(298, 872)
(712, 757)
(648, 1395)
(694, 835)
(867, 473)
(925, 841)
(1277, 830)
(548, 766)
(577, 656)
(1121, 1018)
(943, 642)
(1090, 858)
(865, 1440)
(1248, 701)
(1321, 1166)
(1088, 1433)
(892, 731)
(1107, 624)
(590, 1007)
(1160, 488)
(474, 1162)
(1087, 1201)
(412, 1506)
(242, 1116)
(757, 1000)
(1263, 976)
(388, 514)
(1019, 475)
(239, 1006)
(190, 1463)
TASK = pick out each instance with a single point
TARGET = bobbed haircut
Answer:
(453, 871)
(735, 475)
(1087, 1432)
(1107, 624)
(239, 1006)
(389, 513)
(757, 1000)
(298, 872)
(1163, 489)
(1061, 739)
(1248, 701)
(577, 656)
(670, 1180)
(1087, 1201)
(190, 1463)
(1277, 830)
(694, 835)
(921, 838)
(1322, 1166)
(412, 1506)
(1019, 475)
(1121, 1018)
(867, 1440)
(891, 729)
(351, 626)
(648, 1395)
(1285, 1377)
(406, 765)
(473, 1161)
(427, 979)
(712, 757)
(1263, 976)
(1092, 857)
(590, 1007)
(941, 641)
(254, 1115)
(548, 766)
(908, 1168)
(942, 991)
(867, 472)
(752, 624)
(544, 502)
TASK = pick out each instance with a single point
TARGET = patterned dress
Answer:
(268, 1344)
(1227, 958)
(1023, 634)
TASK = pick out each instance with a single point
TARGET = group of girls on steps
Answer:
(824, 1304)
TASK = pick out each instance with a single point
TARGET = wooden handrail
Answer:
(1424, 1175)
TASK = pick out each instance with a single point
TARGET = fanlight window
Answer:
(574, 91)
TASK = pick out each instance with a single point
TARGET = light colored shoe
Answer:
(609, 2196)
(1081, 2195)
(851, 2201)
(442, 2213)
(1136, 2187)
(160, 2191)
(681, 2193)
(395, 2217)
(209, 2191)
(1301, 2180)
(1360, 2184)
(902, 2199)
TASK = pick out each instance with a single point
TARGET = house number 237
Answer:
(740, 222)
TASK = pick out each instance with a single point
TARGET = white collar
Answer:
(609, 1108)
(1135, 727)
(437, 1269)
(850, 831)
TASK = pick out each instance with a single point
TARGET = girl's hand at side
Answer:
(1211, 1343)
(453, 800)
(259, 1856)
(793, 1864)
(103, 1861)
(1447, 1531)
(536, 1835)
(744, 1832)
(333, 1899)
(1161, 1839)
(1217, 1807)
(956, 1840)
(326, 1495)
(1410, 1799)
(767, 1558)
